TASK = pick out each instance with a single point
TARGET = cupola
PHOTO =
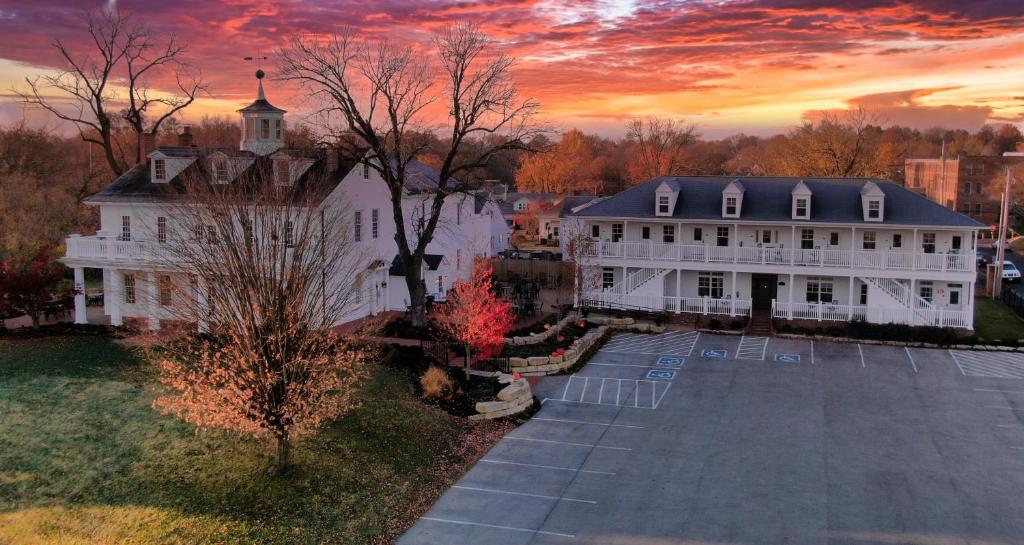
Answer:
(262, 123)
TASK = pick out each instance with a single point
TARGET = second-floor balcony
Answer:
(962, 261)
(112, 249)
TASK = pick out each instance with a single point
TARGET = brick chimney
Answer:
(185, 138)
(148, 144)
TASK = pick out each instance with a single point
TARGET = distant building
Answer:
(969, 184)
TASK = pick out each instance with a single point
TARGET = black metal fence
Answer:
(1013, 300)
(437, 350)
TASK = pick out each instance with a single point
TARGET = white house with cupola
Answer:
(817, 249)
(136, 220)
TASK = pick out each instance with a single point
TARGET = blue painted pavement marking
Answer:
(669, 361)
(714, 353)
(655, 373)
(787, 358)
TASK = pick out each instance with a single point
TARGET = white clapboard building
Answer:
(819, 249)
(136, 209)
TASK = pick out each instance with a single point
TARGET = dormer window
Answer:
(366, 171)
(220, 168)
(281, 173)
(732, 199)
(160, 170)
(872, 200)
(663, 204)
(801, 208)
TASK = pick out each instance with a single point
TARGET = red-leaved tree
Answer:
(475, 316)
(28, 280)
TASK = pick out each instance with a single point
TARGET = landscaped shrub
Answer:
(944, 336)
(436, 384)
(715, 323)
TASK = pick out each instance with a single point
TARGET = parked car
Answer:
(1011, 273)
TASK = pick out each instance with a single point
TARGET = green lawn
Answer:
(994, 321)
(84, 459)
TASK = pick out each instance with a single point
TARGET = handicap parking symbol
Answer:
(669, 361)
(713, 353)
(654, 373)
(787, 358)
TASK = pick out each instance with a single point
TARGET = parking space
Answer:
(703, 439)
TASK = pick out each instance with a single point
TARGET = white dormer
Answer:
(801, 202)
(665, 198)
(220, 168)
(282, 172)
(732, 199)
(872, 200)
(163, 168)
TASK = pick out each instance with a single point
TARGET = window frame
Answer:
(833, 238)
(128, 289)
(929, 243)
(731, 206)
(698, 234)
(126, 229)
(161, 229)
(607, 277)
(801, 204)
(221, 173)
(160, 170)
(664, 203)
(897, 240)
(164, 289)
(711, 284)
(874, 209)
(668, 234)
(869, 237)
(618, 231)
(820, 289)
(264, 128)
(375, 223)
(807, 239)
(722, 240)
(645, 232)
(357, 226)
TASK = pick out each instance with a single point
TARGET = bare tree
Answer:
(838, 145)
(267, 270)
(660, 147)
(384, 95)
(86, 91)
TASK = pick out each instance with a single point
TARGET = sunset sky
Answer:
(753, 66)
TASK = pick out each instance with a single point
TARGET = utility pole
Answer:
(1004, 214)
(942, 174)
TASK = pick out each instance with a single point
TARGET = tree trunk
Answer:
(417, 295)
(469, 358)
(35, 319)
(283, 456)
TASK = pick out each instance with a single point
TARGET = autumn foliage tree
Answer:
(475, 316)
(271, 270)
(29, 278)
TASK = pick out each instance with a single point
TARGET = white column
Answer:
(912, 301)
(116, 298)
(792, 286)
(849, 313)
(202, 306)
(732, 300)
(792, 254)
(679, 290)
(853, 245)
(80, 314)
(970, 304)
(153, 295)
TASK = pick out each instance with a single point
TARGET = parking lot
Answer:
(686, 438)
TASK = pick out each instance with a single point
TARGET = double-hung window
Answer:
(164, 289)
(357, 226)
(801, 208)
(220, 167)
(663, 204)
(607, 277)
(874, 209)
(668, 234)
(928, 243)
(926, 291)
(129, 289)
(730, 206)
(723, 236)
(289, 234)
(616, 232)
(711, 284)
(161, 229)
(126, 228)
(819, 289)
(868, 240)
(160, 169)
(375, 223)
(807, 239)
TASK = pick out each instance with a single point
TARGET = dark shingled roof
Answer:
(433, 261)
(135, 186)
(261, 105)
(833, 200)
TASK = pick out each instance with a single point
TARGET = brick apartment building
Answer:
(972, 184)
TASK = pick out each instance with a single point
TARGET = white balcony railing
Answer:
(939, 317)
(110, 249)
(860, 259)
(657, 303)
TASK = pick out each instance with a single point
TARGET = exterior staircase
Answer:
(634, 281)
(760, 323)
(900, 293)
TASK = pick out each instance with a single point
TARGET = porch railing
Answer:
(658, 303)
(963, 261)
(938, 317)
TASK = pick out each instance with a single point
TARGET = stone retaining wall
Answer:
(549, 365)
(543, 336)
(512, 399)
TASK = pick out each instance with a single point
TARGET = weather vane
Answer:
(259, 58)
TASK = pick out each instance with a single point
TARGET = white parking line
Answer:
(989, 364)
(998, 390)
(752, 348)
(539, 466)
(542, 419)
(861, 352)
(911, 358)
(952, 355)
(619, 365)
(495, 526)
(602, 382)
(564, 443)
(812, 352)
(998, 408)
(509, 493)
(679, 343)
